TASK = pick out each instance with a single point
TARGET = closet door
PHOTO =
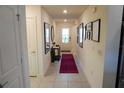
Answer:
(10, 58)
(32, 45)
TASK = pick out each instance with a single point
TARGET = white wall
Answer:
(91, 56)
(46, 57)
(114, 18)
(99, 60)
(74, 39)
(41, 16)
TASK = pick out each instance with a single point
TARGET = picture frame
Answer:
(47, 29)
(88, 35)
(89, 28)
(52, 33)
(77, 35)
(81, 33)
(84, 33)
(96, 30)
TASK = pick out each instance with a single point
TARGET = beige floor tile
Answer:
(46, 84)
(78, 84)
(83, 77)
(51, 71)
(49, 78)
(62, 77)
(34, 82)
(75, 84)
(74, 77)
(60, 84)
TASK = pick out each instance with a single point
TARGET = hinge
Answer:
(18, 17)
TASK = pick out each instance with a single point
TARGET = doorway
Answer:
(32, 46)
(65, 40)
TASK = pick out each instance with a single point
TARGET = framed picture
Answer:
(96, 30)
(88, 35)
(47, 29)
(84, 33)
(77, 35)
(81, 33)
(52, 33)
(89, 26)
(89, 29)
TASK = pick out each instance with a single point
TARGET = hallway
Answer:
(54, 79)
(33, 37)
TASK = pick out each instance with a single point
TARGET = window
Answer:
(65, 35)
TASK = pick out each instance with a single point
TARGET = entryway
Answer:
(90, 33)
(65, 39)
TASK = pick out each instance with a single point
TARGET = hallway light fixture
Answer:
(65, 11)
(65, 20)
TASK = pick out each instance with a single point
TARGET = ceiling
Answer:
(56, 11)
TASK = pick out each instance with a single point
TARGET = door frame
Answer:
(119, 68)
(23, 45)
(65, 44)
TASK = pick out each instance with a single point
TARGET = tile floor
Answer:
(54, 79)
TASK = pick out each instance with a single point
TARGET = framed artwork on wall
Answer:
(89, 27)
(77, 35)
(84, 33)
(47, 29)
(81, 34)
(88, 35)
(96, 30)
(89, 30)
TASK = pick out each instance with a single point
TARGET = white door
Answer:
(10, 58)
(65, 39)
(32, 45)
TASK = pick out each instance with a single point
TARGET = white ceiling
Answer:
(56, 11)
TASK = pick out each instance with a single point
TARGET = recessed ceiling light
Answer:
(65, 20)
(65, 11)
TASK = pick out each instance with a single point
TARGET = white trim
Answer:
(23, 45)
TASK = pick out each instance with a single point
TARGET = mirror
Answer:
(80, 32)
(47, 29)
(52, 33)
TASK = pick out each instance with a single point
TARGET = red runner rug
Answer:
(68, 64)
